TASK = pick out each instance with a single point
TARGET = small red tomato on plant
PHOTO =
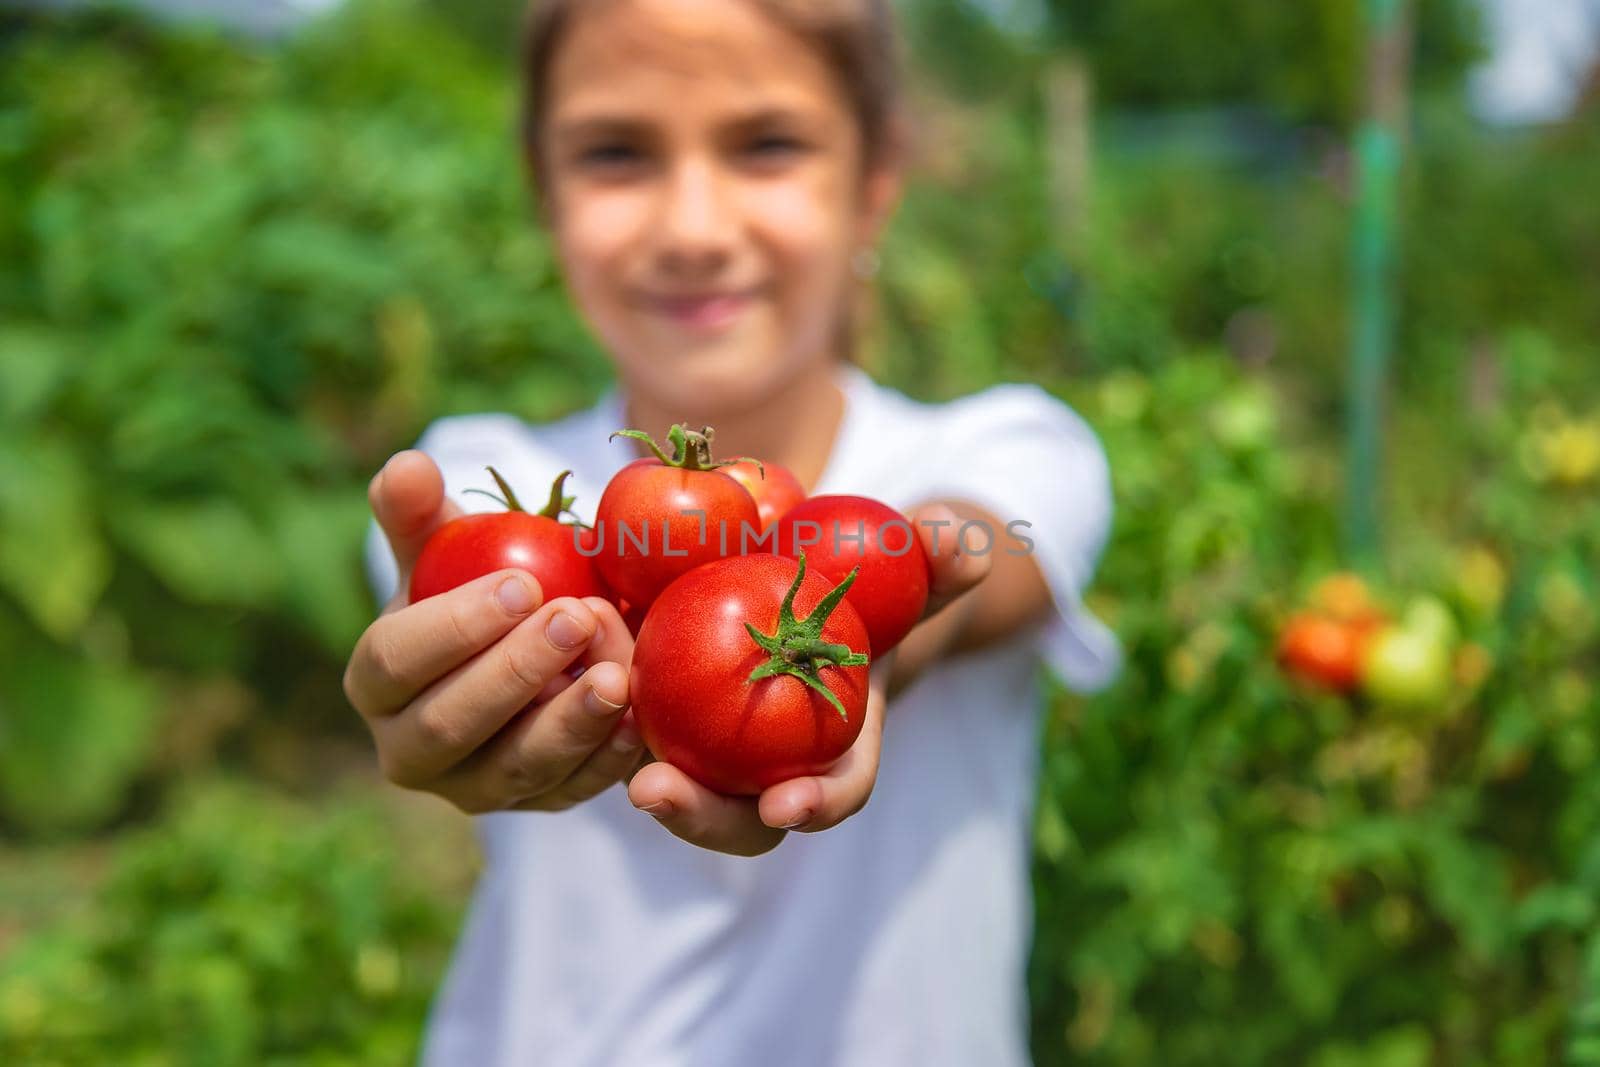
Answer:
(840, 533)
(660, 517)
(1324, 651)
(540, 543)
(1345, 596)
(774, 488)
(734, 689)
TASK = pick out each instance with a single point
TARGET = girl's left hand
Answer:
(749, 826)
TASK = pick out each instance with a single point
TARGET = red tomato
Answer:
(838, 533)
(774, 494)
(660, 517)
(631, 616)
(736, 713)
(1325, 651)
(1346, 597)
(474, 545)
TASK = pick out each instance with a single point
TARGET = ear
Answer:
(881, 188)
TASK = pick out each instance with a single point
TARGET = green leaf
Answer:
(1555, 907)
(319, 538)
(1403, 1046)
(206, 551)
(73, 735)
(34, 362)
(53, 560)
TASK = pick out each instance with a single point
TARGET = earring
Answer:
(865, 264)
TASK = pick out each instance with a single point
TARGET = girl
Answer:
(715, 174)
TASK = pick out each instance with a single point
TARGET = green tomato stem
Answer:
(797, 648)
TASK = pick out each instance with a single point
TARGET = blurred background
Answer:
(1325, 276)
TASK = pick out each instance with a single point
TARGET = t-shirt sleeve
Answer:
(1032, 462)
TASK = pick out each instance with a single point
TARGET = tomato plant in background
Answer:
(664, 515)
(731, 686)
(1325, 643)
(842, 534)
(540, 543)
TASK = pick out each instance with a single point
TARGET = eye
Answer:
(608, 153)
(773, 149)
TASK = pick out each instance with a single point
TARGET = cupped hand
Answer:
(749, 826)
(486, 695)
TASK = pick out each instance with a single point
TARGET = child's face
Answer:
(705, 184)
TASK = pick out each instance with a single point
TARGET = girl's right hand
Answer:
(468, 694)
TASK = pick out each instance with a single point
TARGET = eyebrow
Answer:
(601, 124)
(598, 126)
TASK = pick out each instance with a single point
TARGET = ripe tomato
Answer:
(731, 688)
(1323, 650)
(1345, 596)
(839, 533)
(659, 517)
(632, 617)
(474, 545)
(774, 488)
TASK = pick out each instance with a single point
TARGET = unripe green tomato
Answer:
(1406, 668)
(1429, 615)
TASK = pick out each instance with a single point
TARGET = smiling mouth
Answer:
(704, 311)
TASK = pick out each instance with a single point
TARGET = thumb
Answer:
(952, 569)
(407, 498)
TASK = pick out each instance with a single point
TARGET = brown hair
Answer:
(856, 37)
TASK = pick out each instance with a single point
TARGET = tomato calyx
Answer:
(691, 449)
(797, 648)
(558, 505)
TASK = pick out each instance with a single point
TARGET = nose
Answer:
(697, 224)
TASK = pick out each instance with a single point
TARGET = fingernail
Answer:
(599, 704)
(626, 738)
(515, 596)
(565, 631)
(799, 820)
(660, 809)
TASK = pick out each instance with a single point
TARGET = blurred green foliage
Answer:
(235, 277)
(1300, 60)
(245, 929)
(232, 281)
(1234, 869)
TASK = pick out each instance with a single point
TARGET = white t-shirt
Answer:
(595, 938)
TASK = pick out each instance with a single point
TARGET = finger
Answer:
(956, 563)
(412, 647)
(612, 641)
(560, 683)
(614, 761)
(698, 815)
(407, 498)
(450, 719)
(546, 744)
(821, 801)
